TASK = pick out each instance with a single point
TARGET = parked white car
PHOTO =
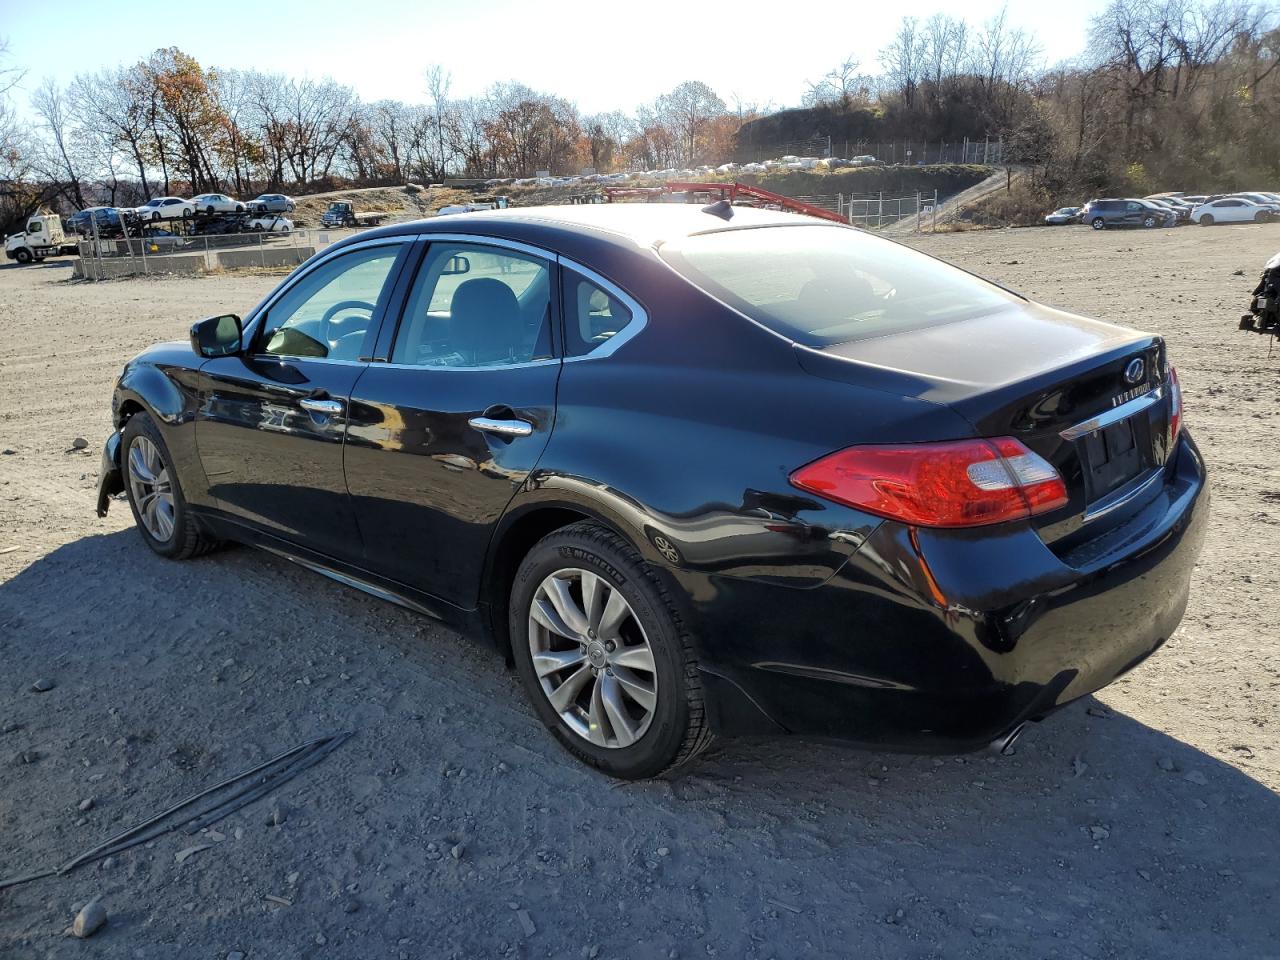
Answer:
(165, 208)
(217, 203)
(269, 223)
(1234, 210)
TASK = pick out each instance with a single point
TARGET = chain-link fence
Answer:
(164, 253)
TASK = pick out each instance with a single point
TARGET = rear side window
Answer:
(476, 306)
(593, 315)
(821, 285)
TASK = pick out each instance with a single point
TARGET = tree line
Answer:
(1167, 94)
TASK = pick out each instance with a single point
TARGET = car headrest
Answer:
(484, 320)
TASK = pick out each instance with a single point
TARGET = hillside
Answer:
(413, 202)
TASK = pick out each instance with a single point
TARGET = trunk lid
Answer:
(1068, 387)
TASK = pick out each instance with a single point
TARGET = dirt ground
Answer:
(1144, 822)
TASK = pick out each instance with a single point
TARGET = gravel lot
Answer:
(1143, 822)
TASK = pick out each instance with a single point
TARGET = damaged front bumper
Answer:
(110, 474)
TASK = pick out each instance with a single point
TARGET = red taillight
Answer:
(960, 483)
(1175, 405)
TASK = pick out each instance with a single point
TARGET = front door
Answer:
(270, 426)
(441, 437)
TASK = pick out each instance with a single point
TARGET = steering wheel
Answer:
(338, 308)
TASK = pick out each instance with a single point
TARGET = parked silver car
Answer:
(272, 203)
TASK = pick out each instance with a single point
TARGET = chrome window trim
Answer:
(639, 316)
(388, 365)
(487, 241)
(307, 267)
(1114, 415)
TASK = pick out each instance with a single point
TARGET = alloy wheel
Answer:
(592, 658)
(151, 489)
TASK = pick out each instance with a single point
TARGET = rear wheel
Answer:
(155, 496)
(603, 655)
(1206, 220)
(1098, 223)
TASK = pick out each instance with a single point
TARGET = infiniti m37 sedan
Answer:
(694, 471)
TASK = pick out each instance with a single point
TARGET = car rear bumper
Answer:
(110, 476)
(945, 641)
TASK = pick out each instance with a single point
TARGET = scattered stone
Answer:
(1096, 711)
(1226, 873)
(351, 906)
(1196, 777)
(1099, 832)
(320, 939)
(8, 452)
(183, 855)
(292, 879)
(1078, 767)
(664, 851)
(215, 836)
(108, 863)
(11, 727)
(282, 901)
(43, 685)
(277, 816)
(457, 851)
(27, 756)
(89, 920)
(1144, 875)
(238, 833)
(235, 955)
(85, 805)
(1166, 764)
(526, 923)
(1237, 273)
(79, 443)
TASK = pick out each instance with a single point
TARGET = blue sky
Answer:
(612, 54)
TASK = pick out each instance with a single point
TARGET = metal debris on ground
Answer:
(248, 787)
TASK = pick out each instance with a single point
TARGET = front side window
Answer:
(328, 311)
(593, 315)
(476, 306)
(821, 285)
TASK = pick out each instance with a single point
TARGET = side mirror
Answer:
(217, 336)
(457, 264)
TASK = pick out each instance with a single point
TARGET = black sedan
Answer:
(695, 471)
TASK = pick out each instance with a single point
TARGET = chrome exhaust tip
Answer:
(1003, 745)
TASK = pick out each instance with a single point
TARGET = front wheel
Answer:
(1148, 222)
(1206, 220)
(22, 256)
(603, 655)
(1098, 223)
(155, 495)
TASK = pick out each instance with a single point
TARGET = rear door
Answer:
(271, 421)
(447, 426)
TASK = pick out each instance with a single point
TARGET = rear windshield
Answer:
(825, 285)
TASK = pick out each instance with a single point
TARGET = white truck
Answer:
(42, 238)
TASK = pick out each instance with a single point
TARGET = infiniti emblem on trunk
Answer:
(1133, 373)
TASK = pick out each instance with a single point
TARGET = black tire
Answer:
(1260, 217)
(186, 214)
(209, 210)
(678, 731)
(23, 256)
(188, 539)
(1098, 223)
(1206, 220)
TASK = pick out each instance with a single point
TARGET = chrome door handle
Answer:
(327, 408)
(503, 428)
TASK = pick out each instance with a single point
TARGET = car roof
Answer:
(620, 224)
